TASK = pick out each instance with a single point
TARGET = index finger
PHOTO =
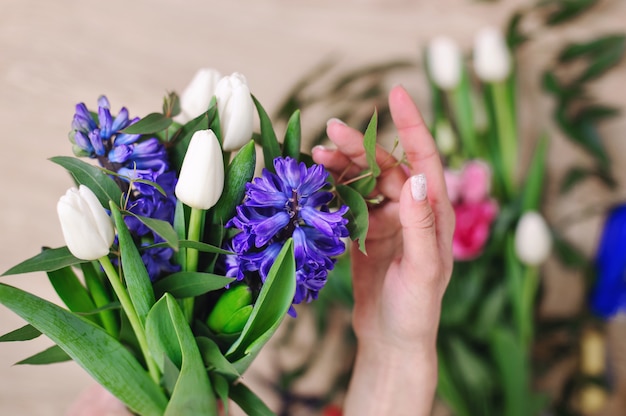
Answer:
(418, 144)
(422, 154)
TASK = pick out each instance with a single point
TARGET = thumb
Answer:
(421, 251)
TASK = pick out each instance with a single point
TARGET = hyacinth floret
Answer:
(99, 136)
(291, 203)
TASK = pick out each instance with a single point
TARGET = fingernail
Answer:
(319, 148)
(418, 187)
(335, 120)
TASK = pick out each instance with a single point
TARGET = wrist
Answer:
(393, 380)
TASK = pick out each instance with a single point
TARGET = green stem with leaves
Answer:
(196, 219)
(131, 313)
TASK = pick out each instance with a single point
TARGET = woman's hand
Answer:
(399, 284)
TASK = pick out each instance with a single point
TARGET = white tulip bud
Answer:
(196, 98)
(201, 180)
(444, 62)
(533, 241)
(87, 228)
(492, 59)
(236, 111)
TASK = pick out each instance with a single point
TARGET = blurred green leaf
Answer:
(593, 48)
(293, 137)
(92, 177)
(104, 358)
(513, 371)
(596, 113)
(249, 402)
(171, 104)
(357, 215)
(190, 284)
(447, 390)
(473, 372)
(514, 36)
(566, 10)
(569, 255)
(48, 260)
(535, 177)
(25, 333)
(269, 142)
(135, 273)
(152, 123)
(490, 312)
(50, 355)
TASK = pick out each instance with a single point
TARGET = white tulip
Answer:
(87, 228)
(533, 241)
(236, 111)
(201, 180)
(444, 62)
(492, 59)
(196, 97)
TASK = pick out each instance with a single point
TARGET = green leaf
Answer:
(535, 177)
(92, 177)
(190, 284)
(357, 215)
(365, 185)
(512, 367)
(171, 104)
(249, 402)
(192, 393)
(569, 255)
(51, 355)
(162, 228)
(182, 138)
(221, 387)
(239, 172)
(269, 310)
(215, 361)
(198, 245)
(369, 143)
(48, 260)
(592, 48)
(447, 390)
(573, 177)
(103, 357)
(152, 123)
(567, 10)
(271, 148)
(25, 333)
(135, 273)
(72, 292)
(293, 137)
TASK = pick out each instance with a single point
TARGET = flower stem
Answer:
(529, 290)
(193, 234)
(507, 137)
(131, 313)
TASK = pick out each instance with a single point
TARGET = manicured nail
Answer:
(335, 120)
(319, 148)
(418, 187)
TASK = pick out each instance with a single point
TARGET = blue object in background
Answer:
(608, 297)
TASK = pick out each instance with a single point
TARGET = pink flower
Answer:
(468, 190)
(475, 181)
(473, 226)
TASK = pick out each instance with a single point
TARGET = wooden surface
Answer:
(56, 54)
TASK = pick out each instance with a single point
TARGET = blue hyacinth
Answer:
(99, 136)
(291, 203)
(609, 294)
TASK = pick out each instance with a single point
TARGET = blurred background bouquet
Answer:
(496, 350)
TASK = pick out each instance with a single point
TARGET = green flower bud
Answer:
(232, 310)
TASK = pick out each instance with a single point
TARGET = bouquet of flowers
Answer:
(189, 262)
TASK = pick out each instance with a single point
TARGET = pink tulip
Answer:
(468, 190)
(475, 181)
(473, 226)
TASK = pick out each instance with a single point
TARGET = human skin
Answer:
(399, 284)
